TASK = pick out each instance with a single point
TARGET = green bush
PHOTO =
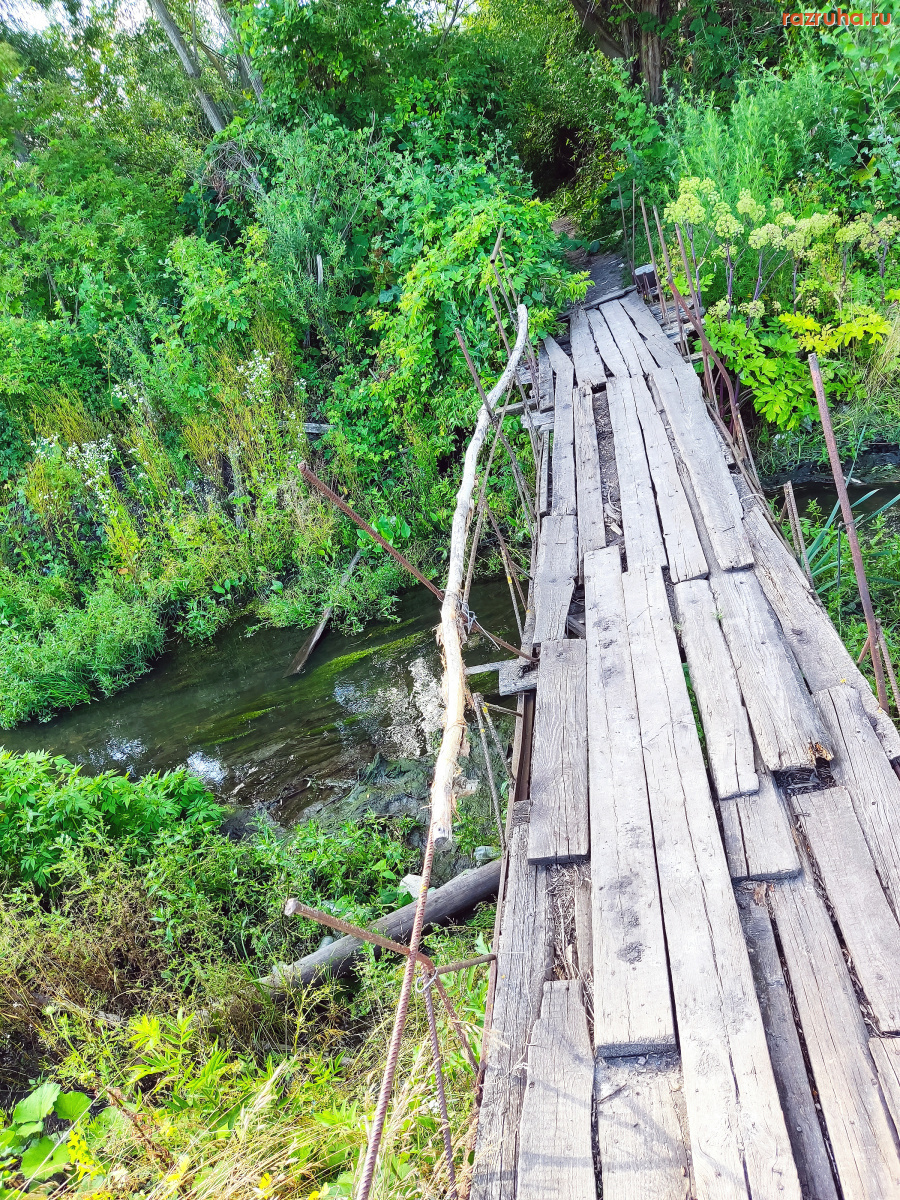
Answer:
(48, 805)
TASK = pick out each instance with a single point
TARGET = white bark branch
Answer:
(454, 684)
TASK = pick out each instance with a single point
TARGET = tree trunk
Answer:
(214, 114)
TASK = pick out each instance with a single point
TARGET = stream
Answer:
(225, 710)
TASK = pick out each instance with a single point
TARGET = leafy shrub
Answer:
(47, 805)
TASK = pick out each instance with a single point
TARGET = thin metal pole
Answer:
(514, 461)
(889, 666)
(668, 262)
(852, 537)
(387, 1082)
(511, 582)
(492, 783)
(659, 286)
(439, 1087)
(314, 481)
(625, 231)
(479, 520)
(707, 373)
(790, 502)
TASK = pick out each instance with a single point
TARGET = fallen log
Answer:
(460, 894)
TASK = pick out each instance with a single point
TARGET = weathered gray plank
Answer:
(584, 925)
(588, 364)
(632, 1007)
(659, 345)
(861, 766)
(562, 365)
(729, 744)
(846, 867)
(886, 1054)
(633, 347)
(554, 578)
(563, 499)
(756, 830)
(605, 343)
(739, 1143)
(516, 675)
(683, 549)
(640, 524)
(821, 655)
(862, 1138)
(555, 1155)
(588, 479)
(544, 475)
(558, 828)
(545, 376)
(642, 1132)
(523, 961)
(695, 437)
(788, 730)
(810, 1153)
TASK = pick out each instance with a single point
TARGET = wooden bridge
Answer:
(697, 992)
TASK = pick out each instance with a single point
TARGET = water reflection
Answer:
(226, 711)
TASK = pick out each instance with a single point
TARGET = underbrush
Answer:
(133, 935)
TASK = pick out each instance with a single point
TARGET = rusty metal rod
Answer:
(497, 422)
(314, 481)
(790, 502)
(889, 666)
(439, 1087)
(465, 964)
(852, 537)
(668, 262)
(659, 287)
(495, 798)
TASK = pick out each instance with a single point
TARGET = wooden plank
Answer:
(555, 1154)
(558, 829)
(545, 378)
(563, 500)
(860, 765)
(588, 478)
(643, 540)
(632, 1007)
(739, 1144)
(642, 1134)
(544, 476)
(788, 730)
(517, 675)
(729, 743)
(523, 960)
(659, 345)
(629, 341)
(785, 1051)
(554, 579)
(683, 549)
(695, 437)
(847, 870)
(588, 364)
(886, 1054)
(584, 926)
(757, 832)
(816, 644)
(862, 1138)
(562, 365)
(609, 351)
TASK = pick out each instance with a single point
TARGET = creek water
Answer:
(225, 710)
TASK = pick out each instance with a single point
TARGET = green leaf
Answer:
(71, 1105)
(44, 1159)
(36, 1106)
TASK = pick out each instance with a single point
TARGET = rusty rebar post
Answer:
(707, 372)
(659, 287)
(314, 481)
(439, 1085)
(852, 537)
(790, 503)
(492, 783)
(625, 231)
(496, 421)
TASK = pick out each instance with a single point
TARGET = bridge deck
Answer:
(698, 984)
